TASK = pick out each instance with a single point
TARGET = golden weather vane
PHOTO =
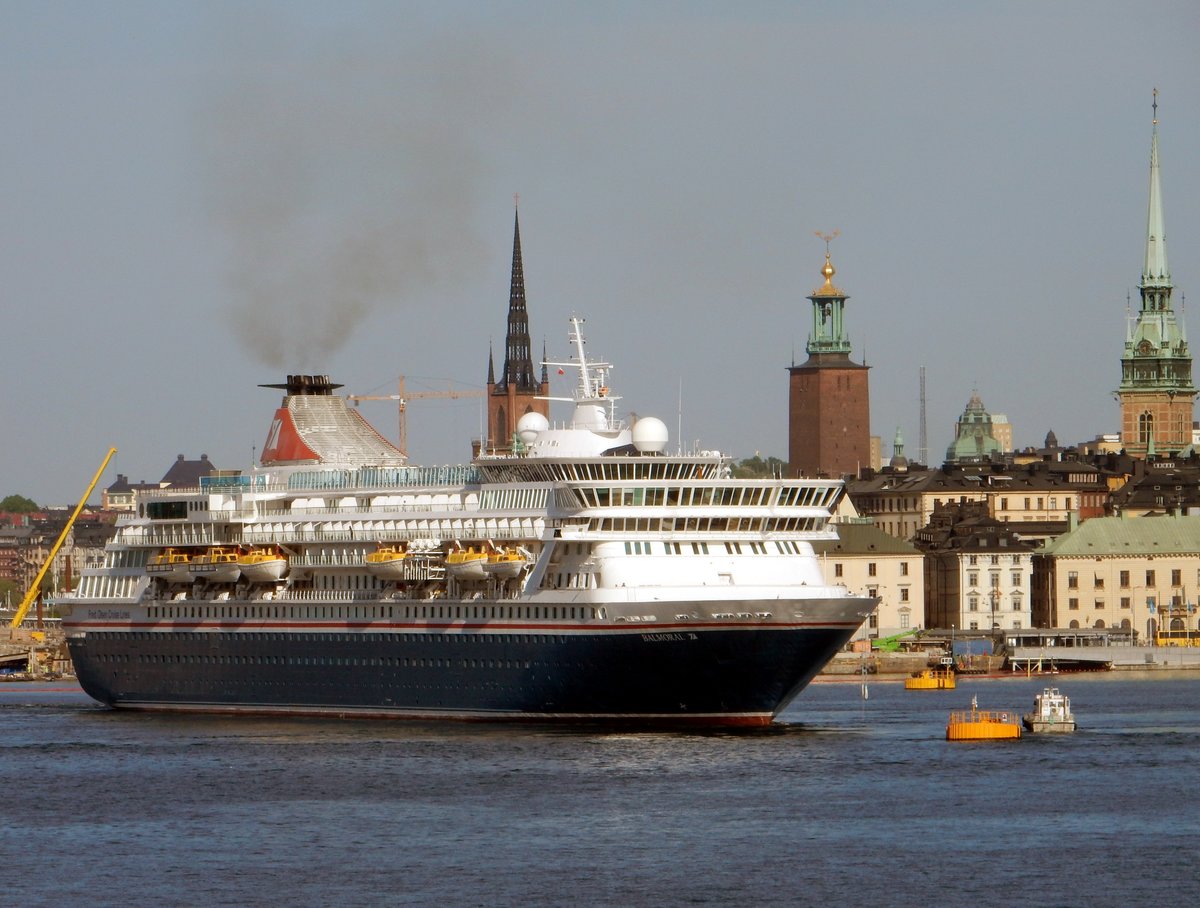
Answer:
(828, 237)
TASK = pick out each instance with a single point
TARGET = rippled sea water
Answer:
(846, 801)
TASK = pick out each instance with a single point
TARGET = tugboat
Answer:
(1051, 713)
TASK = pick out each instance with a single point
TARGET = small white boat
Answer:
(1051, 713)
(263, 565)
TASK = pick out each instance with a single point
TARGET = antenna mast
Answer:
(923, 441)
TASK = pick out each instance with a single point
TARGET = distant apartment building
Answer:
(122, 495)
(1040, 496)
(978, 571)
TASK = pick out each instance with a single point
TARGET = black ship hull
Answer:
(713, 676)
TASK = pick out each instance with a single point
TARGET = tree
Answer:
(18, 504)
(757, 468)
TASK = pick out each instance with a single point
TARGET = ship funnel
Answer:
(309, 385)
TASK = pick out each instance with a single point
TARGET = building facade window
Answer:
(1073, 604)
(1072, 580)
(1149, 578)
(870, 568)
(837, 570)
(1124, 580)
(1124, 602)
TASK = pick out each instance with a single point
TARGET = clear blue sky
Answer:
(201, 197)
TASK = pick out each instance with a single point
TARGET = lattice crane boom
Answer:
(402, 400)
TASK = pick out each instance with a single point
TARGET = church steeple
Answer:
(516, 391)
(518, 357)
(1156, 277)
(1156, 391)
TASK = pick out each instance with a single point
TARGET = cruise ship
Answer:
(584, 575)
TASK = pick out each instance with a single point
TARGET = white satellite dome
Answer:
(650, 435)
(530, 426)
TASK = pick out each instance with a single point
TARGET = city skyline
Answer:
(201, 198)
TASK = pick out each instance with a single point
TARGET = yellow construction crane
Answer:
(402, 400)
(35, 589)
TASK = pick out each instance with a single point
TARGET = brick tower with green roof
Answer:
(829, 425)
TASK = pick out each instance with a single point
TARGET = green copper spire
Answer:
(1155, 274)
(1156, 348)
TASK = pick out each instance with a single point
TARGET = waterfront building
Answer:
(1122, 572)
(518, 390)
(24, 549)
(866, 559)
(122, 495)
(978, 571)
(829, 424)
(1156, 391)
